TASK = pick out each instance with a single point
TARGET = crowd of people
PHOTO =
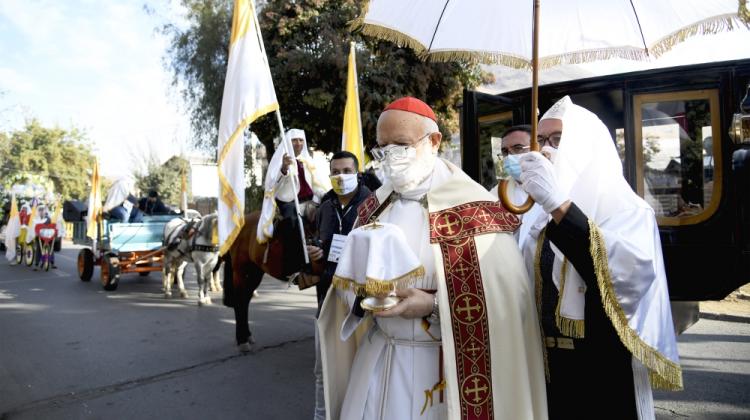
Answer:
(496, 315)
(483, 313)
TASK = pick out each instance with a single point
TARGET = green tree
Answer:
(165, 178)
(62, 156)
(307, 43)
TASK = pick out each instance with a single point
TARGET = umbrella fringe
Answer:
(478, 57)
(387, 34)
(710, 26)
(743, 13)
(578, 57)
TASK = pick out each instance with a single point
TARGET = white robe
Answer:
(387, 369)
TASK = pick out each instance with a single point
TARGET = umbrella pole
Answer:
(502, 188)
(535, 78)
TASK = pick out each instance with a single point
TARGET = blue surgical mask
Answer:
(512, 166)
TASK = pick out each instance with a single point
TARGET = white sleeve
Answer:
(285, 190)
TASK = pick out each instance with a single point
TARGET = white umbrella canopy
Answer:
(544, 33)
(571, 31)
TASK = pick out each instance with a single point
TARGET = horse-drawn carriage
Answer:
(121, 248)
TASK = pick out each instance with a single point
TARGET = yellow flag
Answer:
(183, 194)
(13, 208)
(351, 135)
(95, 202)
(248, 94)
(58, 210)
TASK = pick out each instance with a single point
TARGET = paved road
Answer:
(69, 350)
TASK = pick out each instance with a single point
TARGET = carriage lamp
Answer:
(740, 129)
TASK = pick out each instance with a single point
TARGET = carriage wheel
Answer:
(46, 257)
(110, 272)
(19, 254)
(28, 254)
(85, 264)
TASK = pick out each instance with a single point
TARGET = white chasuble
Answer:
(483, 360)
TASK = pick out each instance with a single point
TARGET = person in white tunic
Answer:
(595, 255)
(463, 343)
(287, 177)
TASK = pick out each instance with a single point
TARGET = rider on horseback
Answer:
(309, 187)
(285, 178)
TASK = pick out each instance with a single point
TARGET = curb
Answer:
(725, 317)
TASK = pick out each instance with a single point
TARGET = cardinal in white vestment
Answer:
(463, 342)
(599, 274)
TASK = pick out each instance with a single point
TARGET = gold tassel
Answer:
(664, 373)
(569, 327)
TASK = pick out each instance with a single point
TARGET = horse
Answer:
(247, 260)
(191, 240)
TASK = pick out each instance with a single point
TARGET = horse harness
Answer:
(188, 232)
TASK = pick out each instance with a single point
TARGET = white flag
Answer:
(248, 94)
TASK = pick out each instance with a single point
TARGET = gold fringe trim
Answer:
(538, 293)
(664, 373)
(570, 327)
(586, 56)
(743, 13)
(387, 34)
(475, 57)
(712, 25)
(378, 287)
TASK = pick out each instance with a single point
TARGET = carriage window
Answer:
(620, 144)
(678, 154)
(490, 129)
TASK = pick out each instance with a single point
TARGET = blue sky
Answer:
(97, 65)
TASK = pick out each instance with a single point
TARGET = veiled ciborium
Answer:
(376, 261)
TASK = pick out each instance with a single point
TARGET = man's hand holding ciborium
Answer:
(379, 266)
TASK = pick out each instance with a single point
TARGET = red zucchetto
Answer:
(412, 105)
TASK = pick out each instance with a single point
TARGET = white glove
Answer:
(539, 181)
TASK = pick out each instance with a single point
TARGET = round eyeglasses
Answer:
(395, 151)
(516, 149)
(553, 140)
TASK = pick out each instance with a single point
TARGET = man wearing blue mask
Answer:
(515, 142)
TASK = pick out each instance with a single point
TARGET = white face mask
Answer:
(344, 183)
(407, 173)
(550, 152)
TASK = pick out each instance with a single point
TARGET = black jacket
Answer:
(332, 219)
(153, 208)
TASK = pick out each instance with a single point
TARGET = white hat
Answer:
(376, 260)
(557, 111)
(296, 133)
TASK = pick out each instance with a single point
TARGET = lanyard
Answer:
(338, 216)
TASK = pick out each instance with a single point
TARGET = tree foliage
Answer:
(62, 156)
(307, 43)
(165, 178)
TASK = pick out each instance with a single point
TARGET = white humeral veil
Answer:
(629, 267)
(384, 369)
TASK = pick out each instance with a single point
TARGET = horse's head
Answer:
(210, 229)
